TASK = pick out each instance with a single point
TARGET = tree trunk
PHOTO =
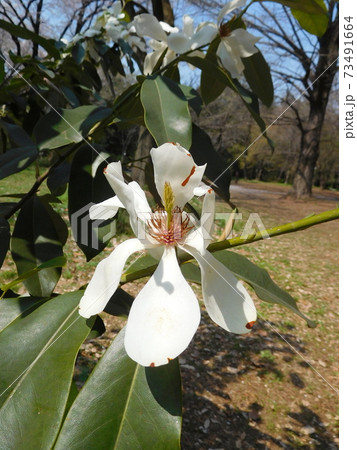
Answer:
(309, 152)
(318, 95)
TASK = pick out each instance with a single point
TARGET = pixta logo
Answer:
(91, 233)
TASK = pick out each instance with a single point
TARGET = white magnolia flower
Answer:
(165, 315)
(234, 44)
(163, 37)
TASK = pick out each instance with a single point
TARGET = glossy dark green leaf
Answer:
(98, 328)
(141, 263)
(257, 74)
(78, 52)
(212, 84)
(58, 179)
(125, 406)
(203, 152)
(129, 110)
(16, 160)
(48, 44)
(16, 134)
(212, 73)
(68, 125)
(258, 278)
(251, 103)
(166, 112)
(13, 308)
(38, 237)
(119, 304)
(249, 99)
(308, 6)
(2, 69)
(4, 239)
(59, 261)
(38, 352)
(313, 23)
(88, 185)
(193, 97)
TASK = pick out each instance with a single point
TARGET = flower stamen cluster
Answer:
(224, 30)
(168, 232)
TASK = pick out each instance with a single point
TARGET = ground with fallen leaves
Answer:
(276, 386)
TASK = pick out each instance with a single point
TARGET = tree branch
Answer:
(291, 227)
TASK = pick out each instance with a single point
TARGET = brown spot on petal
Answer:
(250, 325)
(210, 191)
(169, 359)
(173, 143)
(189, 154)
(188, 178)
(152, 365)
(105, 170)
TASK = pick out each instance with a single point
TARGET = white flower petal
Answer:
(230, 6)
(242, 43)
(207, 216)
(229, 61)
(204, 35)
(91, 33)
(131, 195)
(106, 278)
(187, 25)
(148, 25)
(168, 28)
(175, 165)
(105, 210)
(227, 301)
(201, 189)
(151, 60)
(164, 316)
(178, 42)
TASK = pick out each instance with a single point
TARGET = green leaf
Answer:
(212, 85)
(38, 237)
(59, 261)
(128, 108)
(68, 126)
(14, 308)
(257, 74)
(119, 303)
(213, 77)
(58, 178)
(141, 263)
(203, 152)
(166, 112)
(249, 99)
(78, 53)
(193, 97)
(38, 354)
(88, 185)
(2, 69)
(258, 278)
(4, 239)
(98, 328)
(308, 6)
(313, 23)
(251, 103)
(17, 135)
(48, 44)
(17, 159)
(125, 406)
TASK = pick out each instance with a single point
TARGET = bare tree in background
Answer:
(308, 68)
(72, 16)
